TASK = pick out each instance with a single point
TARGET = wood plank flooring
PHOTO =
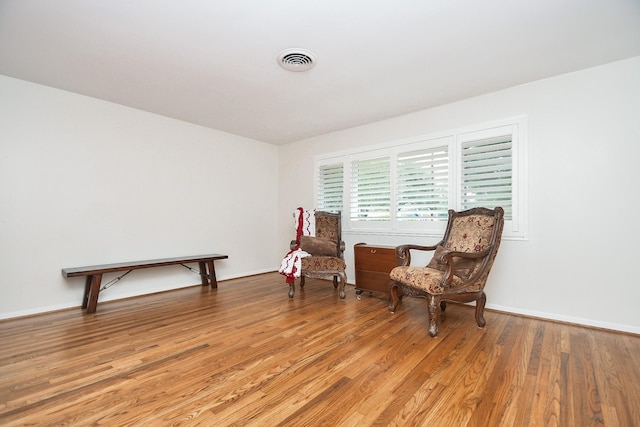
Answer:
(247, 355)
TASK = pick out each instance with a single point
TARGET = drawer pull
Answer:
(373, 251)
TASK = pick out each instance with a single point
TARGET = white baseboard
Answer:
(76, 304)
(567, 319)
(39, 310)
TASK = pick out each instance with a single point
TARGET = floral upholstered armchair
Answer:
(459, 268)
(318, 254)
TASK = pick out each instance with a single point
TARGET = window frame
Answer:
(515, 227)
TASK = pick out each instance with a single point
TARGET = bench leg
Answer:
(94, 290)
(87, 291)
(203, 273)
(212, 275)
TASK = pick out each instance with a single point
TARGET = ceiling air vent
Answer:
(296, 60)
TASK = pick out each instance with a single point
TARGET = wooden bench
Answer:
(94, 273)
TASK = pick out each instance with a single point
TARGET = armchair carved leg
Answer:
(480, 302)
(434, 313)
(335, 282)
(393, 297)
(301, 282)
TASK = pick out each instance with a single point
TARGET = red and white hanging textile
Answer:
(305, 224)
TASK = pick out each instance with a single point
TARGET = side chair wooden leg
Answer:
(292, 289)
(343, 281)
(480, 302)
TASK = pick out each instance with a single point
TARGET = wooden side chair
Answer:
(327, 252)
(459, 268)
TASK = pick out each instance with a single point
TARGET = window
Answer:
(408, 187)
(486, 174)
(330, 187)
(371, 189)
(422, 184)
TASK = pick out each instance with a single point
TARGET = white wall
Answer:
(584, 146)
(86, 182)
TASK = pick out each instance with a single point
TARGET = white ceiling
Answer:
(213, 63)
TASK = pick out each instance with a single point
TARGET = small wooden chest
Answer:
(373, 265)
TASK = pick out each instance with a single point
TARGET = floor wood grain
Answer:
(246, 354)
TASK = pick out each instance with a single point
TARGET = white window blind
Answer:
(487, 174)
(422, 189)
(371, 189)
(330, 187)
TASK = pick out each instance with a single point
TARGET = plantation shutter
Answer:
(371, 189)
(423, 184)
(330, 187)
(487, 174)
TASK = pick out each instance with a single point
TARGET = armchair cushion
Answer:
(426, 279)
(471, 233)
(318, 246)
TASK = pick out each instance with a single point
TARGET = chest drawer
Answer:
(374, 258)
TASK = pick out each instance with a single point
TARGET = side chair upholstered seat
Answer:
(459, 268)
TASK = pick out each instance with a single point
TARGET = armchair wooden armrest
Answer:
(403, 252)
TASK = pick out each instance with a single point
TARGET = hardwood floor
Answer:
(246, 354)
